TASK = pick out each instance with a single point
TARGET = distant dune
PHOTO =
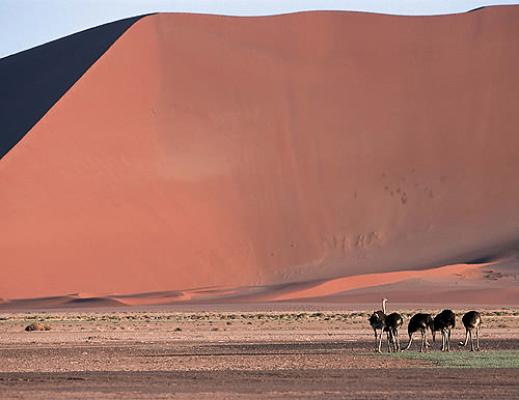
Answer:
(266, 152)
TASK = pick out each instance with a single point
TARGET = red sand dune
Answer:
(219, 151)
(494, 283)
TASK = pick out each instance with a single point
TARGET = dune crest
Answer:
(34, 80)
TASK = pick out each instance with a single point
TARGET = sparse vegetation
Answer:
(466, 359)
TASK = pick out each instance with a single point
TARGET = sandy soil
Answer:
(232, 354)
(266, 384)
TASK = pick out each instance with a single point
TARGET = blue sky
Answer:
(28, 23)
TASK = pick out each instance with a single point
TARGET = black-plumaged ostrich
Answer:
(377, 320)
(472, 321)
(420, 322)
(444, 322)
(393, 323)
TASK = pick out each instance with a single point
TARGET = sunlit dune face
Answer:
(203, 150)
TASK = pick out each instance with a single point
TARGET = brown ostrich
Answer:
(393, 323)
(420, 322)
(444, 322)
(472, 321)
(377, 321)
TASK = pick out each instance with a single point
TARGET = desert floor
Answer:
(256, 352)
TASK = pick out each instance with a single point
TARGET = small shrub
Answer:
(37, 326)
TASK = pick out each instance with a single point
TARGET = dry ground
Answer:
(231, 355)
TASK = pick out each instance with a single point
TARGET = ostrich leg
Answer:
(376, 339)
(449, 339)
(393, 339)
(477, 338)
(410, 340)
(471, 340)
(395, 342)
(380, 341)
(464, 344)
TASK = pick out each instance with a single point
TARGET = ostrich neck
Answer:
(384, 306)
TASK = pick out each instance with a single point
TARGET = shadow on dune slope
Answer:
(33, 80)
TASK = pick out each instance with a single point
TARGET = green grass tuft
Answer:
(466, 359)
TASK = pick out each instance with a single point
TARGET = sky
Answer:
(28, 23)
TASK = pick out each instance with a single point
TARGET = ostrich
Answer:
(444, 322)
(420, 322)
(377, 321)
(471, 320)
(393, 323)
